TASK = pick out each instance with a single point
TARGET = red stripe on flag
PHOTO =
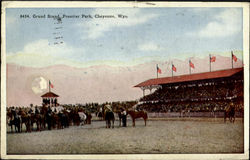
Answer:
(51, 85)
(174, 68)
(191, 64)
(234, 58)
(158, 70)
(213, 59)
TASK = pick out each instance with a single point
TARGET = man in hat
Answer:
(124, 117)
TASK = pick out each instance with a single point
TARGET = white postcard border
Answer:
(51, 4)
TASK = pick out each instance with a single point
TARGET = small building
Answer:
(50, 99)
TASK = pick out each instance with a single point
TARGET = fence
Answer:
(189, 114)
(179, 114)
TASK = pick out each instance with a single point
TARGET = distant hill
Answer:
(99, 83)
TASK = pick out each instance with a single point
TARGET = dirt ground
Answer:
(175, 135)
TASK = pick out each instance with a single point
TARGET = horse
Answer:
(37, 119)
(43, 114)
(120, 118)
(109, 116)
(10, 120)
(25, 118)
(100, 113)
(32, 120)
(229, 113)
(89, 117)
(71, 116)
(83, 118)
(241, 110)
(139, 114)
(75, 117)
(55, 119)
(14, 119)
(65, 119)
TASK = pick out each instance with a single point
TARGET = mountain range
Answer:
(100, 83)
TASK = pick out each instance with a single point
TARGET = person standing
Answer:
(124, 118)
(49, 118)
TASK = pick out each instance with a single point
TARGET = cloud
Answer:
(43, 47)
(41, 53)
(150, 46)
(96, 27)
(226, 23)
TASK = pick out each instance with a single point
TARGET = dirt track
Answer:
(159, 136)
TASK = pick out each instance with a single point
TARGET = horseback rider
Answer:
(108, 108)
(49, 110)
(54, 109)
(232, 108)
(230, 112)
(30, 111)
(37, 110)
(13, 112)
(100, 110)
(109, 116)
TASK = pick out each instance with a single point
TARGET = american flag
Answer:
(174, 68)
(234, 57)
(191, 64)
(212, 59)
(158, 69)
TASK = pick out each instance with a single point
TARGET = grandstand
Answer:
(202, 92)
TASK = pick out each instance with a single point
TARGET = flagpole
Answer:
(157, 70)
(232, 59)
(210, 62)
(189, 68)
(49, 85)
(172, 70)
(242, 61)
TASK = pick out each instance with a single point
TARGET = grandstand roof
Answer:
(190, 77)
(50, 94)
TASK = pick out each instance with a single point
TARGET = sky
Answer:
(145, 34)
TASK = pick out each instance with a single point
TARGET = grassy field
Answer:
(175, 135)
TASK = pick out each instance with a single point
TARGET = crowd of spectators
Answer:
(197, 91)
(204, 97)
(196, 106)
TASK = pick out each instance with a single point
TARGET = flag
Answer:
(173, 68)
(212, 59)
(234, 57)
(158, 69)
(191, 64)
(51, 85)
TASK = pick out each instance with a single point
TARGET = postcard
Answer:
(124, 80)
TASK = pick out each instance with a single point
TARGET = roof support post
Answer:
(143, 91)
